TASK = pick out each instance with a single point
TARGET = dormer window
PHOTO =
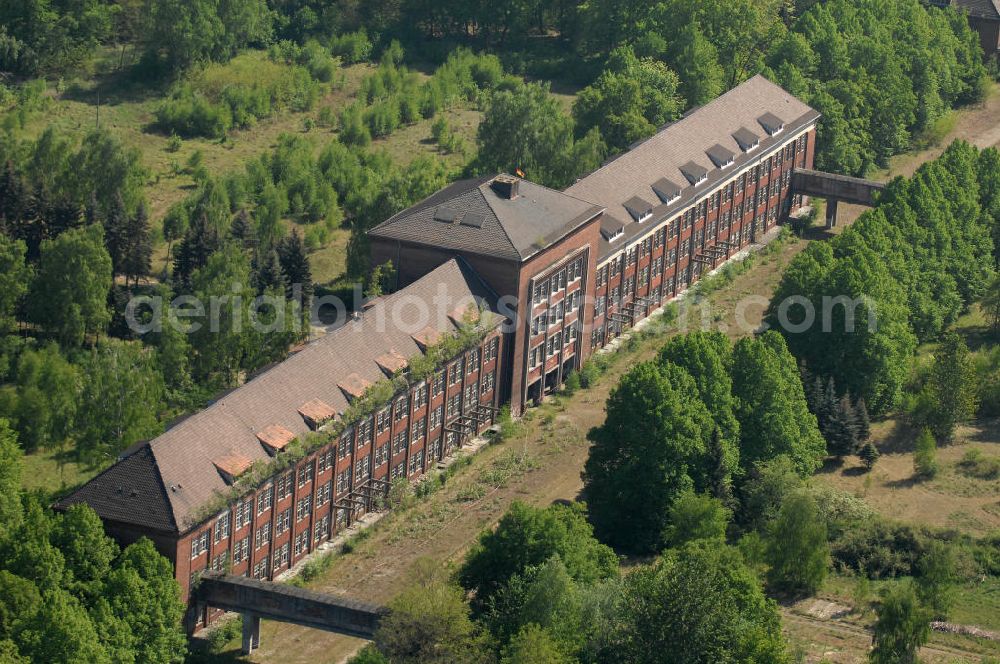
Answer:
(746, 139)
(695, 173)
(771, 123)
(667, 191)
(639, 209)
(612, 229)
(720, 156)
(316, 413)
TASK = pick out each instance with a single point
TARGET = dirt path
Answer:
(553, 448)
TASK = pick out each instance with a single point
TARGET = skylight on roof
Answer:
(473, 220)
(447, 215)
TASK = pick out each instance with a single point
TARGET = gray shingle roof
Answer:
(683, 145)
(175, 474)
(131, 491)
(988, 9)
(483, 222)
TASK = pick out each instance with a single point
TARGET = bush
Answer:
(188, 113)
(352, 47)
(383, 118)
(975, 464)
(879, 549)
(925, 455)
(353, 128)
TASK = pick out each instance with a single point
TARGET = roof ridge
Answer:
(486, 202)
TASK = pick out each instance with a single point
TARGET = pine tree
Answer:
(295, 268)
(200, 241)
(841, 436)
(137, 260)
(244, 231)
(869, 455)
(267, 274)
(862, 422)
(116, 229)
(13, 196)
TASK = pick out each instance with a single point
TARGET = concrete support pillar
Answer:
(831, 212)
(251, 633)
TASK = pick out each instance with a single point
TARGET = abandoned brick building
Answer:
(554, 276)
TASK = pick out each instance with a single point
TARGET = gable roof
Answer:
(469, 215)
(131, 492)
(680, 152)
(176, 473)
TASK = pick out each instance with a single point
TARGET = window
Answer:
(262, 536)
(437, 416)
(399, 442)
(366, 431)
(533, 358)
(324, 461)
(488, 382)
(241, 550)
(282, 521)
(399, 470)
(343, 480)
(419, 430)
(439, 382)
(455, 373)
(323, 493)
(305, 475)
(686, 247)
(285, 485)
(381, 454)
(266, 497)
(471, 392)
(401, 407)
(473, 363)
(244, 510)
(260, 569)
(419, 396)
(492, 347)
(363, 469)
(454, 405)
(220, 562)
(346, 443)
(303, 507)
(302, 543)
(383, 421)
(281, 557)
(417, 462)
(599, 305)
(321, 529)
(199, 544)
(221, 530)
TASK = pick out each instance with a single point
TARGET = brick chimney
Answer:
(505, 186)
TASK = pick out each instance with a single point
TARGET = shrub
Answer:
(382, 117)
(174, 143)
(879, 549)
(925, 455)
(188, 113)
(352, 47)
(353, 129)
(975, 464)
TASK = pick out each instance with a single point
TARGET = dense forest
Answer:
(79, 239)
